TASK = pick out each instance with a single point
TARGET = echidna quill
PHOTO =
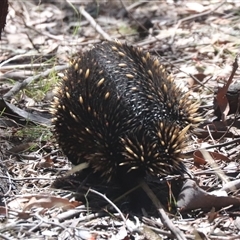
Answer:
(119, 110)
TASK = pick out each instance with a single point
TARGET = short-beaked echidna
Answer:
(119, 110)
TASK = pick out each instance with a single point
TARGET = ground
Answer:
(196, 41)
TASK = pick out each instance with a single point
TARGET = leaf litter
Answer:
(41, 197)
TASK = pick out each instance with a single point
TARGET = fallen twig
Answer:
(94, 24)
(18, 86)
(109, 201)
(165, 219)
(193, 17)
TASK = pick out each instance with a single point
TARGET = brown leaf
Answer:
(222, 101)
(221, 97)
(46, 162)
(212, 215)
(200, 160)
(21, 147)
(3, 212)
(49, 202)
(24, 215)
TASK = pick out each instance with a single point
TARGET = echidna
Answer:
(119, 110)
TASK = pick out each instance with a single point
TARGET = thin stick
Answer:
(94, 24)
(20, 66)
(15, 58)
(193, 17)
(165, 219)
(237, 140)
(20, 85)
(109, 201)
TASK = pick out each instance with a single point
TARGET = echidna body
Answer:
(118, 109)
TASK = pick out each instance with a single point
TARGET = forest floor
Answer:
(196, 41)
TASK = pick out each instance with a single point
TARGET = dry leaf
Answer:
(222, 101)
(193, 197)
(212, 215)
(49, 202)
(46, 162)
(3, 212)
(200, 160)
(195, 7)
